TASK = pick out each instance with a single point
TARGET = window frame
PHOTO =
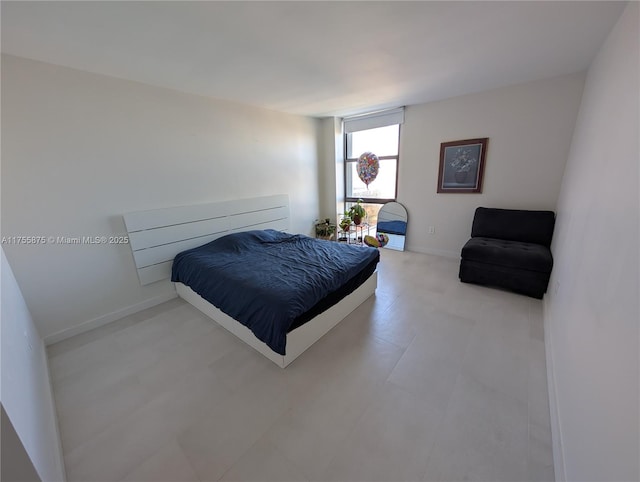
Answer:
(347, 160)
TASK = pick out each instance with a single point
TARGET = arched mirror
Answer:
(392, 221)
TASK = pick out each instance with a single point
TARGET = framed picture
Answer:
(462, 165)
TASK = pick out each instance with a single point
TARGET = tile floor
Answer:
(430, 380)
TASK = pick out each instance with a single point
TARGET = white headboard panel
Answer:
(156, 236)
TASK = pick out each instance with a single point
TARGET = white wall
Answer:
(81, 149)
(529, 128)
(327, 168)
(591, 322)
(25, 391)
(332, 167)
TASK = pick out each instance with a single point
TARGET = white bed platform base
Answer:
(156, 236)
(299, 339)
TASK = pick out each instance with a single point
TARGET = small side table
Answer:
(357, 233)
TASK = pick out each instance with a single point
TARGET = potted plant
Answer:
(324, 229)
(345, 224)
(357, 212)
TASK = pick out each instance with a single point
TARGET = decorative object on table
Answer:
(325, 230)
(392, 222)
(368, 167)
(378, 241)
(462, 165)
(357, 212)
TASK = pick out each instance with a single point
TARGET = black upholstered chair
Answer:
(510, 249)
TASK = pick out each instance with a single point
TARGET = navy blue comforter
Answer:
(266, 279)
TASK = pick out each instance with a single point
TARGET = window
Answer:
(378, 133)
(383, 142)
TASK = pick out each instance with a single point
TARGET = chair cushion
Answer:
(514, 225)
(512, 254)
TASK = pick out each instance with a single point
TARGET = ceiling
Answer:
(314, 58)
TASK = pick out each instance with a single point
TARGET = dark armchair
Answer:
(509, 249)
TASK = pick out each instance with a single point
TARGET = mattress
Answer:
(272, 282)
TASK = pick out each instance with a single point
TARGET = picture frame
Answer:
(462, 165)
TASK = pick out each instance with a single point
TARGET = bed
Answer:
(254, 228)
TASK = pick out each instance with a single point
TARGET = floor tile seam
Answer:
(63, 420)
(469, 319)
(114, 356)
(487, 449)
(284, 455)
(101, 431)
(190, 462)
(110, 328)
(187, 459)
(356, 423)
(431, 450)
(175, 329)
(174, 439)
(528, 393)
(404, 352)
(156, 310)
(56, 413)
(166, 340)
(236, 461)
(391, 305)
(170, 333)
(91, 335)
(494, 390)
(437, 428)
(513, 349)
(275, 445)
(65, 453)
(390, 342)
(198, 355)
(470, 338)
(419, 398)
(457, 366)
(450, 397)
(501, 392)
(530, 419)
(57, 390)
(258, 437)
(483, 320)
(103, 339)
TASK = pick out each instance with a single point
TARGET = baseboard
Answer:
(52, 404)
(107, 318)
(436, 252)
(556, 431)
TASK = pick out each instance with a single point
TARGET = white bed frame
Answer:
(156, 236)
(299, 339)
